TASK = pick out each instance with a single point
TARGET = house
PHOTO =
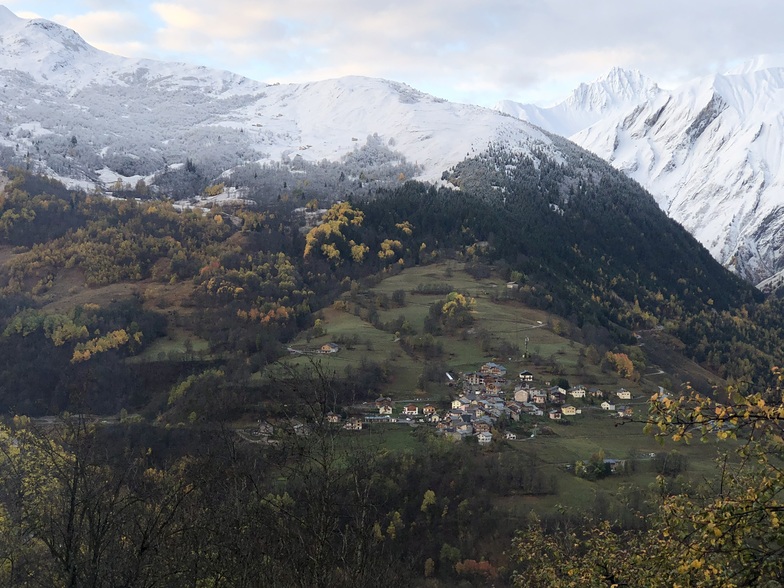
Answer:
(512, 286)
(555, 414)
(510, 436)
(410, 410)
(493, 369)
(493, 386)
(607, 406)
(353, 424)
(569, 410)
(539, 397)
(595, 393)
(461, 402)
(624, 394)
(625, 412)
(329, 348)
(428, 409)
(465, 428)
(474, 378)
(485, 438)
(532, 409)
(385, 409)
(333, 418)
(615, 465)
(526, 376)
(577, 392)
(481, 426)
(383, 400)
(522, 394)
(433, 417)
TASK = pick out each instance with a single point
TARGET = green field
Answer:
(497, 317)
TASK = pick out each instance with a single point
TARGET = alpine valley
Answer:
(347, 334)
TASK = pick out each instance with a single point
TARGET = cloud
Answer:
(476, 50)
(122, 33)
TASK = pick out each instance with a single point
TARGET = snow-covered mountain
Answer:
(617, 92)
(80, 113)
(709, 151)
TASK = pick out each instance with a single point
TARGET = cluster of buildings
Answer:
(487, 396)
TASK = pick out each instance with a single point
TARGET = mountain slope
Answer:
(80, 113)
(710, 152)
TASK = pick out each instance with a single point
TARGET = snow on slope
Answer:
(618, 91)
(138, 116)
(711, 153)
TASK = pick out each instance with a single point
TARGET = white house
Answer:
(485, 437)
(607, 406)
(624, 394)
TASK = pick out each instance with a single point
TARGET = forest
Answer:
(121, 465)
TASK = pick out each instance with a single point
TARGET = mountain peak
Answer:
(7, 17)
(618, 86)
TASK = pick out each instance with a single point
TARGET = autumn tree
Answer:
(725, 533)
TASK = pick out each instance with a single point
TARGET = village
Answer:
(487, 403)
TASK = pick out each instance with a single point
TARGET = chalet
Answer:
(353, 424)
(555, 414)
(482, 425)
(433, 417)
(595, 393)
(512, 286)
(624, 394)
(526, 376)
(538, 397)
(493, 386)
(333, 418)
(569, 410)
(485, 437)
(607, 406)
(461, 402)
(383, 400)
(493, 369)
(625, 412)
(385, 409)
(410, 410)
(510, 436)
(428, 409)
(474, 378)
(329, 348)
(577, 392)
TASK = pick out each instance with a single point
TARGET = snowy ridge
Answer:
(136, 117)
(710, 152)
(618, 91)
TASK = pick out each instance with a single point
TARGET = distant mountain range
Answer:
(710, 152)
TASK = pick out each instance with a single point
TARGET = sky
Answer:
(473, 51)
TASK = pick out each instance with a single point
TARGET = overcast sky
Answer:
(463, 50)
